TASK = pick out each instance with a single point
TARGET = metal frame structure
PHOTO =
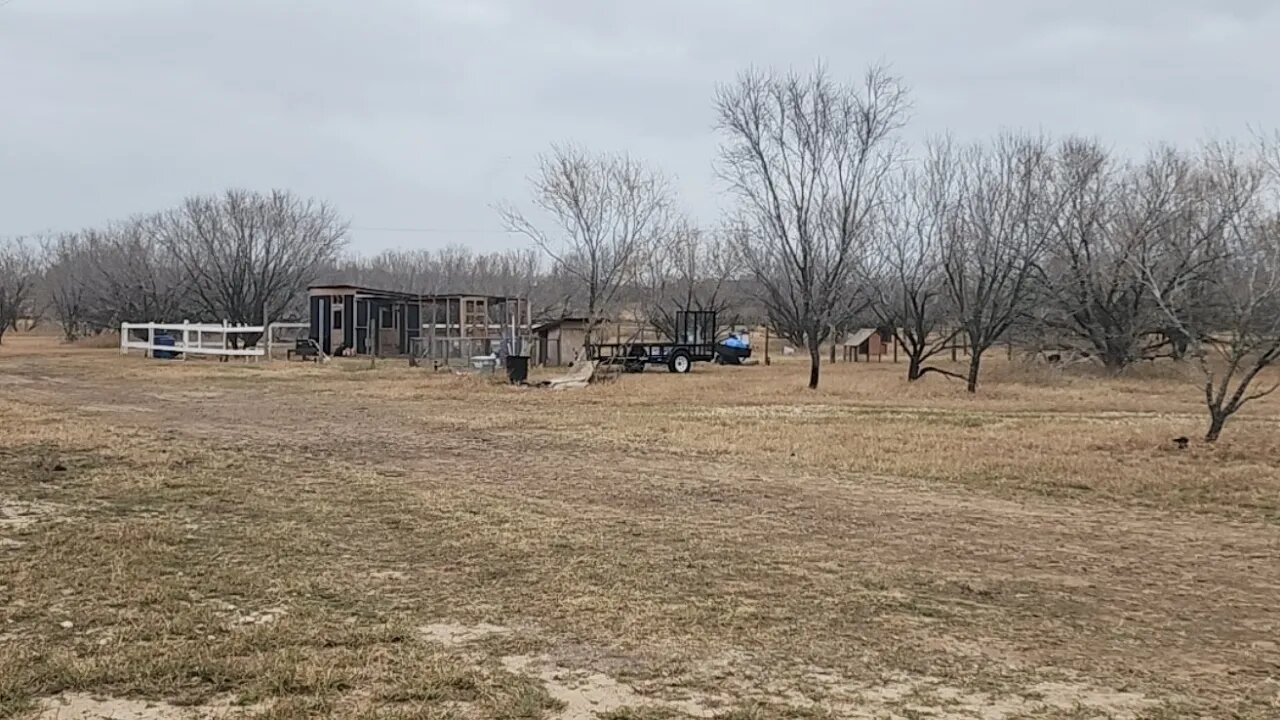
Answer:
(365, 321)
(695, 341)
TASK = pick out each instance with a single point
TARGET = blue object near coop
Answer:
(163, 341)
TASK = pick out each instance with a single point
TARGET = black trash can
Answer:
(517, 368)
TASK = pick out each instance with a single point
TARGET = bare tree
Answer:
(129, 276)
(1109, 222)
(691, 270)
(1229, 313)
(249, 256)
(904, 273)
(992, 246)
(66, 287)
(609, 212)
(808, 160)
(19, 280)
(1094, 297)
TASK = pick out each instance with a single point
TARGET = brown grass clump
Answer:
(284, 540)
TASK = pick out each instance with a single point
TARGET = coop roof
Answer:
(344, 289)
(857, 337)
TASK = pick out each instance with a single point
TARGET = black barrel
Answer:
(517, 368)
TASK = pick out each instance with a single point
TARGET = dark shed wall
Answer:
(348, 320)
(362, 326)
(321, 322)
(314, 306)
(412, 327)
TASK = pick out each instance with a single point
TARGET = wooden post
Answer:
(895, 348)
(151, 338)
(766, 345)
(186, 338)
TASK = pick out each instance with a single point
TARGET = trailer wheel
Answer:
(680, 362)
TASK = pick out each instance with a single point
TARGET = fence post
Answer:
(186, 337)
(151, 338)
(124, 338)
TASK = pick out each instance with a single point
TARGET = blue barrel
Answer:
(163, 341)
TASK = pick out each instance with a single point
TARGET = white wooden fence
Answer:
(200, 338)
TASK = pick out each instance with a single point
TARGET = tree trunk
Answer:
(975, 361)
(1217, 420)
(913, 369)
(1116, 357)
(815, 358)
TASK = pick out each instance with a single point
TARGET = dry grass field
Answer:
(201, 540)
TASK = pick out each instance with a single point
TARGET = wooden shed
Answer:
(867, 343)
(558, 340)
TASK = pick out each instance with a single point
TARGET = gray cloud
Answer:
(423, 114)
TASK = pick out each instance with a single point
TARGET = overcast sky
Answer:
(425, 113)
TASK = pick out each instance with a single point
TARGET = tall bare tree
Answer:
(808, 159)
(993, 244)
(1230, 311)
(606, 214)
(66, 286)
(130, 276)
(1111, 221)
(904, 272)
(249, 256)
(19, 281)
(691, 270)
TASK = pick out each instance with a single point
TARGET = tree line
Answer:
(835, 223)
(1057, 244)
(239, 257)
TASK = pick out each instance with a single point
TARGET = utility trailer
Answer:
(695, 341)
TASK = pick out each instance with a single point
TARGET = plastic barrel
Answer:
(517, 368)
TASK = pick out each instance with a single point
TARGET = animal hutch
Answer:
(354, 320)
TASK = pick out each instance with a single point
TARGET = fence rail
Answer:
(190, 339)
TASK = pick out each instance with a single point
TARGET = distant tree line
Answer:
(1057, 245)
(240, 257)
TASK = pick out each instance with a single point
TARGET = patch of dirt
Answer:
(20, 514)
(455, 634)
(188, 395)
(587, 694)
(115, 409)
(242, 616)
(76, 706)
(929, 696)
